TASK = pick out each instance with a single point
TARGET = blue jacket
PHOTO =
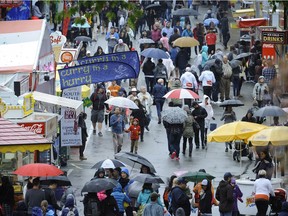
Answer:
(70, 205)
(204, 55)
(117, 127)
(159, 91)
(144, 198)
(187, 33)
(120, 197)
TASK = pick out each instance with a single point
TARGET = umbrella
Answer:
(235, 63)
(121, 102)
(185, 12)
(238, 130)
(210, 63)
(270, 111)
(99, 184)
(181, 94)
(276, 135)
(217, 55)
(38, 170)
(85, 25)
(108, 163)
(83, 38)
(153, 6)
(174, 115)
(135, 188)
(232, 103)
(132, 159)
(196, 176)
(208, 21)
(146, 41)
(285, 109)
(186, 42)
(242, 55)
(61, 180)
(147, 178)
(155, 53)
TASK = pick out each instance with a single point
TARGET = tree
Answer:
(90, 8)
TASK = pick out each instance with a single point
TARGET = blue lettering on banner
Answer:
(130, 57)
(94, 73)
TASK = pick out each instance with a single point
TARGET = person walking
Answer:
(188, 132)
(159, 90)
(225, 82)
(224, 194)
(147, 101)
(140, 115)
(181, 60)
(51, 197)
(6, 196)
(211, 39)
(153, 208)
(237, 195)
(259, 90)
(97, 114)
(176, 131)
(228, 117)
(120, 198)
(225, 30)
(84, 134)
(262, 190)
(135, 130)
(148, 68)
(270, 76)
(207, 78)
(199, 114)
(112, 38)
(160, 72)
(206, 104)
(118, 124)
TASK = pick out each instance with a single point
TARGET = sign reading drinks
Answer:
(131, 58)
(274, 37)
(95, 73)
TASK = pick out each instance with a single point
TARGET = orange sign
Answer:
(268, 51)
(66, 57)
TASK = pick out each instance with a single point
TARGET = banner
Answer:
(70, 132)
(95, 73)
(131, 58)
(66, 18)
(19, 13)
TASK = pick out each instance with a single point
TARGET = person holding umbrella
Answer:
(199, 114)
(228, 117)
(159, 90)
(188, 132)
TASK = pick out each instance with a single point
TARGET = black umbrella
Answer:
(186, 12)
(232, 103)
(146, 41)
(209, 63)
(136, 187)
(270, 111)
(133, 159)
(147, 178)
(60, 180)
(235, 63)
(243, 55)
(153, 6)
(83, 38)
(99, 184)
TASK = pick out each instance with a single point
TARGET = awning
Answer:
(64, 102)
(16, 138)
(247, 23)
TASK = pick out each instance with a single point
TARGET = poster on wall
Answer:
(70, 132)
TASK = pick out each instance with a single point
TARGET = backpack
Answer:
(91, 207)
(71, 211)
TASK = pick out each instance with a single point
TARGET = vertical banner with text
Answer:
(70, 132)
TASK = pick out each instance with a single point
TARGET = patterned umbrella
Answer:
(174, 115)
(181, 94)
(108, 163)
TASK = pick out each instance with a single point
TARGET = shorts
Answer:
(97, 116)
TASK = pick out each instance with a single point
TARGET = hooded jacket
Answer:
(224, 194)
(207, 78)
(120, 197)
(180, 199)
(209, 109)
(188, 80)
(204, 55)
(201, 114)
(251, 119)
(69, 206)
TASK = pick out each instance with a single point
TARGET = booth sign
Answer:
(274, 37)
(35, 127)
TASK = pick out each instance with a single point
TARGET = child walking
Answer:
(135, 130)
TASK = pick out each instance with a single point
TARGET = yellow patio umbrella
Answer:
(186, 42)
(276, 135)
(238, 130)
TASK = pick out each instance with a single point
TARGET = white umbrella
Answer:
(121, 102)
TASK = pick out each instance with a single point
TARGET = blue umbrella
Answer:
(208, 21)
(155, 53)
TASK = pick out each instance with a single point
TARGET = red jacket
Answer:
(211, 38)
(135, 131)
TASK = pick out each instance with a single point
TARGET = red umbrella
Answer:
(181, 94)
(38, 170)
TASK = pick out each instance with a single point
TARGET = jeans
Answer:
(159, 106)
(226, 213)
(117, 142)
(168, 141)
(149, 83)
(196, 131)
(190, 141)
(175, 142)
(262, 206)
(236, 82)
(215, 91)
(110, 49)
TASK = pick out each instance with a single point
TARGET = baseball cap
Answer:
(204, 182)
(182, 180)
(227, 175)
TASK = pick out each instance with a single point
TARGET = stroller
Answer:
(241, 150)
(276, 202)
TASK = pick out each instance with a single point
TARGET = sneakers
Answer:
(94, 132)
(173, 155)
(100, 134)
(82, 158)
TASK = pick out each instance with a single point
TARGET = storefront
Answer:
(25, 49)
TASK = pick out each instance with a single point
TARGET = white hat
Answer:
(133, 90)
(204, 182)
(120, 41)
